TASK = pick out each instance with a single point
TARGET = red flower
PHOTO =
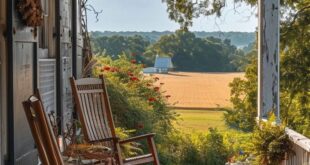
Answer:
(134, 79)
(167, 96)
(107, 68)
(156, 88)
(151, 99)
(112, 69)
(133, 61)
(130, 74)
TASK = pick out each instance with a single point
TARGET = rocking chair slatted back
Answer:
(93, 108)
(44, 138)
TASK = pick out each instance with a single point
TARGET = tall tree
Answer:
(294, 62)
(133, 46)
(190, 53)
(294, 74)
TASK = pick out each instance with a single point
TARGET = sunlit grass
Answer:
(200, 120)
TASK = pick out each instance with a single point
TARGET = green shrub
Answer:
(270, 144)
(213, 149)
(194, 149)
(237, 144)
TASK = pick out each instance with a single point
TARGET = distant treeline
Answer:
(238, 39)
(187, 51)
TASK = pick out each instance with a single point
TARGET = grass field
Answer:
(197, 90)
(200, 120)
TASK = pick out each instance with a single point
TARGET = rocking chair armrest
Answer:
(150, 135)
(115, 139)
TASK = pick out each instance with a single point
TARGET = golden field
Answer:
(197, 90)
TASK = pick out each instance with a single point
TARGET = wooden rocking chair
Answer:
(44, 138)
(93, 108)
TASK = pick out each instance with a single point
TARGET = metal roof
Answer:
(163, 62)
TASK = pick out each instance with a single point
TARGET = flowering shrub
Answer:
(137, 103)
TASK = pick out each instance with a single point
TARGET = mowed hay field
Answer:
(197, 90)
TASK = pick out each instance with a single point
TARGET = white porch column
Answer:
(268, 58)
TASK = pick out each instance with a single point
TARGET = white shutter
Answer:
(47, 83)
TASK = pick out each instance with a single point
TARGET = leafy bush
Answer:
(194, 149)
(237, 143)
(270, 144)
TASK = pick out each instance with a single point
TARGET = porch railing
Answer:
(301, 147)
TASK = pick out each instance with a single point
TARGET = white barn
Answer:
(163, 64)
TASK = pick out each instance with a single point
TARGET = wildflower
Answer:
(134, 79)
(151, 99)
(130, 74)
(114, 69)
(106, 68)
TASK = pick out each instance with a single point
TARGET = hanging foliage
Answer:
(31, 12)
(270, 143)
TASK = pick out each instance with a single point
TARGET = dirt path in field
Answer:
(197, 90)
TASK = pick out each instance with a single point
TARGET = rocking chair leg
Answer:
(118, 154)
(152, 147)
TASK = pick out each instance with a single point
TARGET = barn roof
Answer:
(163, 62)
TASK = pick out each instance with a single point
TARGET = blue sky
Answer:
(151, 15)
